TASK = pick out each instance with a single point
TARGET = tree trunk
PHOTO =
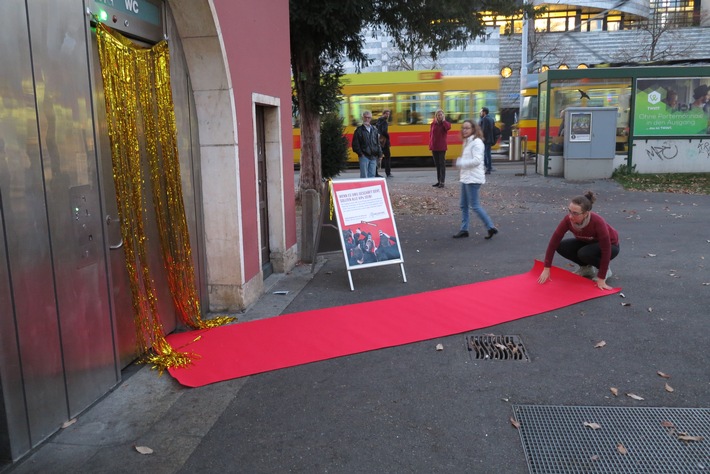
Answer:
(307, 74)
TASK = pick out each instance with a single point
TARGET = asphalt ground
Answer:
(413, 408)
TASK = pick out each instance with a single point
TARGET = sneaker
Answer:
(586, 271)
(609, 273)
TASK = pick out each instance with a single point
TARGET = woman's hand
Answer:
(544, 275)
(601, 284)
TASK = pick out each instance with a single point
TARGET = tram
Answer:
(413, 97)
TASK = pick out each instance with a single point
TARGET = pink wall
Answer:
(256, 40)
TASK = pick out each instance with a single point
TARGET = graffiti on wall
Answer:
(679, 156)
(665, 151)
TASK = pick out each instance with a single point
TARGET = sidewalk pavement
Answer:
(412, 408)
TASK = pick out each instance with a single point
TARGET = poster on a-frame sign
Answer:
(368, 233)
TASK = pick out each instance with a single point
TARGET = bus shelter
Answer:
(662, 115)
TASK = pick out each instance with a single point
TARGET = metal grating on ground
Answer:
(556, 440)
(494, 347)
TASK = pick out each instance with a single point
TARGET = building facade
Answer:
(568, 34)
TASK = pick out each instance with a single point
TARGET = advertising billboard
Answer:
(672, 107)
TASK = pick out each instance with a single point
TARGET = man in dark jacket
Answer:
(487, 124)
(383, 128)
(366, 144)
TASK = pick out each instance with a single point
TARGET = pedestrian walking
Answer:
(472, 176)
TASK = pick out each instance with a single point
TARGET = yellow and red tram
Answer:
(413, 98)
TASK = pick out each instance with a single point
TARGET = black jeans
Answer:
(584, 253)
(440, 163)
(387, 160)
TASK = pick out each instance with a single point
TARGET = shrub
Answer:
(334, 146)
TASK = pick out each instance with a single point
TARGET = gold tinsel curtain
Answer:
(137, 88)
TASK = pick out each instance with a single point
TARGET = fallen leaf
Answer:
(595, 457)
(439, 347)
(614, 391)
(625, 304)
(690, 438)
(667, 424)
(144, 449)
(622, 295)
(664, 375)
(515, 423)
(669, 388)
(650, 310)
(500, 346)
(594, 426)
(622, 450)
(651, 254)
(600, 344)
(67, 424)
(634, 396)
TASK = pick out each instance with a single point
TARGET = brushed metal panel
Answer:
(28, 246)
(14, 431)
(59, 54)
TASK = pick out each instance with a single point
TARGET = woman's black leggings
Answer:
(583, 253)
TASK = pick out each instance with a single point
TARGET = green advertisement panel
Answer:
(672, 107)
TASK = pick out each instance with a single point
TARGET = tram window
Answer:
(529, 109)
(375, 103)
(417, 108)
(485, 99)
(457, 106)
(343, 111)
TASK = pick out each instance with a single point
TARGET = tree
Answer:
(323, 32)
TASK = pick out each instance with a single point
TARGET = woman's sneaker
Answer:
(608, 273)
(586, 271)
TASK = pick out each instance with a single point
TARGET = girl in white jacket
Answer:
(472, 177)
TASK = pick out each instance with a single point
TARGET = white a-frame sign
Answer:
(368, 233)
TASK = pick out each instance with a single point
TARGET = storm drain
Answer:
(494, 347)
(570, 439)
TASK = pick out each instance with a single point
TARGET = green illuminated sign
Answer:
(671, 107)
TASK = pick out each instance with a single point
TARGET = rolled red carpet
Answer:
(249, 348)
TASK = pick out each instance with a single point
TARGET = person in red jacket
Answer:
(437, 144)
(594, 245)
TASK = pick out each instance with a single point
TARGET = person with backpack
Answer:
(382, 125)
(488, 126)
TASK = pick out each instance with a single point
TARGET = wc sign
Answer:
(132, 5)
(144, 10)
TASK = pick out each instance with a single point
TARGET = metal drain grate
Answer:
(556, 440)
(496, 347)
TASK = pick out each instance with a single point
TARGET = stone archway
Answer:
(219, 154)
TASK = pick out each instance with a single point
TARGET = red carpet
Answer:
(249, 348)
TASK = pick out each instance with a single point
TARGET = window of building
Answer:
(681, 13)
